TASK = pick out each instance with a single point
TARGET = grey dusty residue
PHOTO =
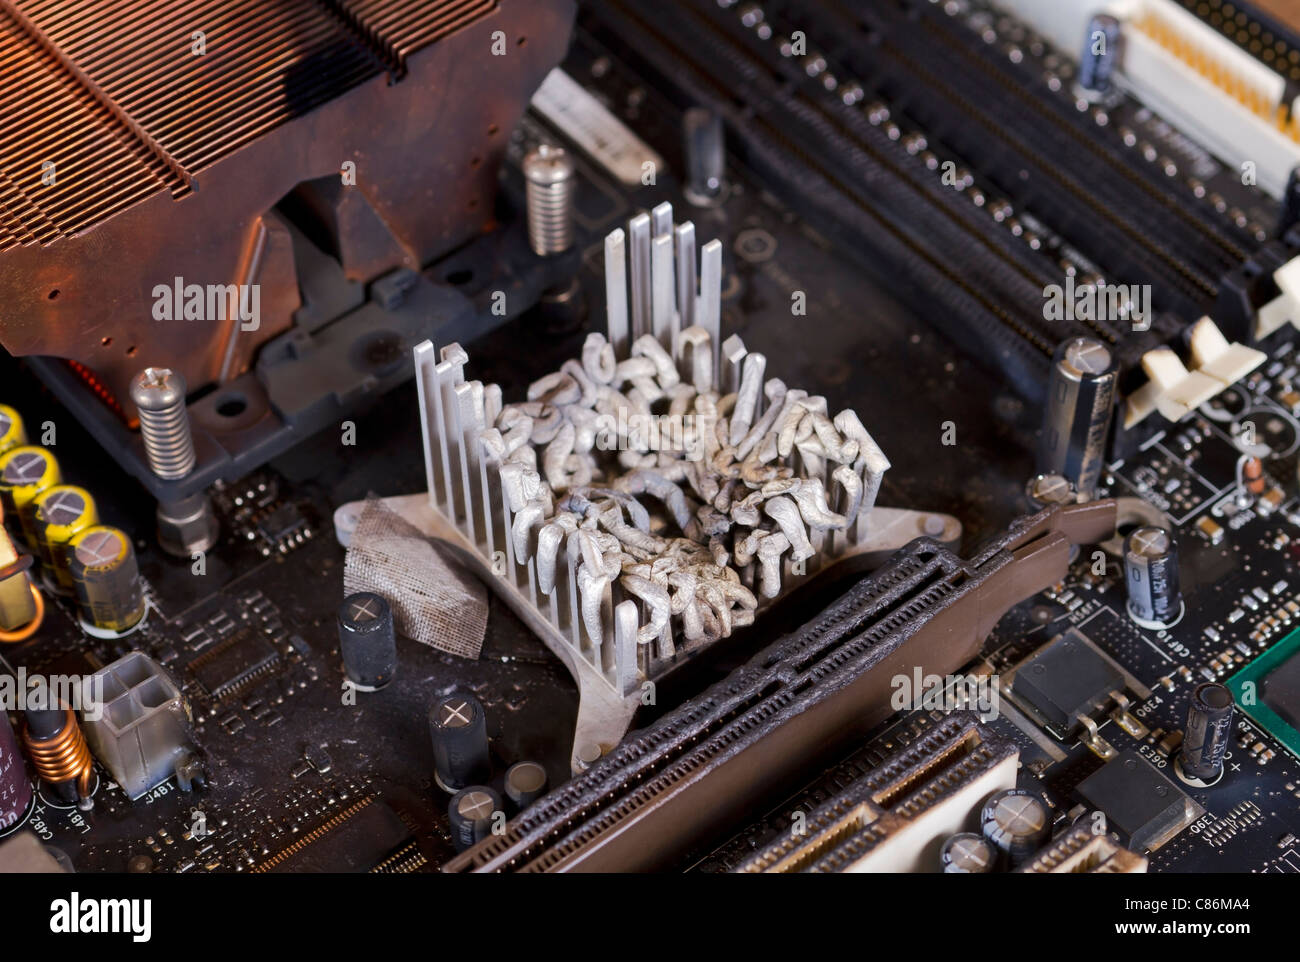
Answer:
(434, 600)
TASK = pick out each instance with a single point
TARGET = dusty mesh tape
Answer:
(435, 600)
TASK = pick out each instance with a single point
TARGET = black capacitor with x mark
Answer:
(367, 640)
(458, 728)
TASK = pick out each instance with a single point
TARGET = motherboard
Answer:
(387, 585)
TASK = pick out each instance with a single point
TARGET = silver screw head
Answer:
(158, 388)
(548, 165)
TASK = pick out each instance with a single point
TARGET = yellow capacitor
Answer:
(20, 603)
(12, 432)
(106, 578)
(61, 512)
(25, 472)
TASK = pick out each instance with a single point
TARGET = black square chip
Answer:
(1066, 679)
(1139, 801)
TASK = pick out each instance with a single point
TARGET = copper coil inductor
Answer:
(58, 750)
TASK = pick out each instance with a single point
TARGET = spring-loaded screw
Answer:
(159, 393)
(551, 181)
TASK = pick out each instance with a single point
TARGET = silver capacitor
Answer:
(1151, 576)
(1016, 823)
(1100, 53)
(967, 854)
(1044, 490)
(1080, 404)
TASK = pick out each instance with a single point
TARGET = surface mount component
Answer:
(1268, 690)
(234, 664)
(900, 816)
(704, 764)
(1139, 801)
(366, 836)
(1282, 691)
(1065, 681)
(143, 731)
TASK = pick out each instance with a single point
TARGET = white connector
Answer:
(1286, 306)
(1175, 391)
(1189, 74)
(1212, 90)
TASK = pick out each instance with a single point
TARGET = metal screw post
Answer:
(187, 525)
(159, 393)
(551, 181)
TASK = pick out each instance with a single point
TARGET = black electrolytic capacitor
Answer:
(471, 812)
(1151, 574)
(967, 854)
(458, 728)
(1016, 823)
(1100, 53)
(1209, 726)
(525, 783)
(367, 640)
(1080, 403)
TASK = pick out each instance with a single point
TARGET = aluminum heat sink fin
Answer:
(575, 557)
